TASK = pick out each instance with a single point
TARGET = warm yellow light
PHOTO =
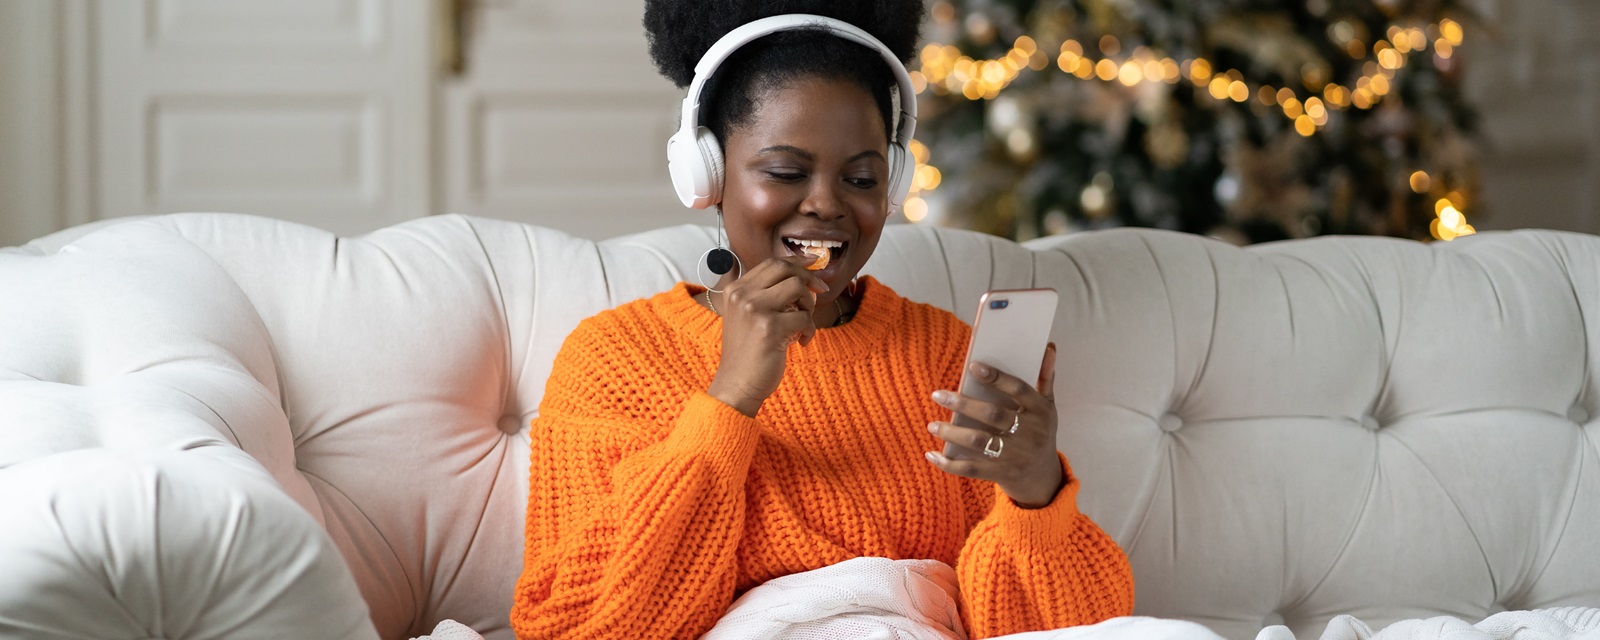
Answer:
(916, 209)
(1130, 74)
(1072, 46)
(1420, 181)
(919, 151)
(1068, 61)
(993, 72)
(1038, 61)
(972, 90)
(1450, 30)
(928, 178)
(1380, 84)
(1284, 95)
(1170, 71)
(1085, 69)
(1336, 95)
(1106, 69)
(1219, 87)
(1027, 45)
(1109, 45)
(1466, 230)
(1441, 231)
(1356, 49)
(1389, 58)
(1418, 39)
(1292, 108)
(1152, 70)
(919, 83)
(1362, 99)
(962, 70)
(1304, 126)
(1267, 96)
(1200, 70)
(1460, 199)
(1315, 109)
(1441, 205)
(1014, 60)
(1451, 218)
(1443, 48)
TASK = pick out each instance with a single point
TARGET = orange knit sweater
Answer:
(651, 505)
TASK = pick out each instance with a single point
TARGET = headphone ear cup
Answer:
(902, 167)
(711, 158)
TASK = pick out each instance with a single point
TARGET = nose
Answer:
(822, 200)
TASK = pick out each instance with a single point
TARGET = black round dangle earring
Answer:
(718, 258)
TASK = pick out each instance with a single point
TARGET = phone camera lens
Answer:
(999, 304)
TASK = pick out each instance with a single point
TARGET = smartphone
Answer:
(1010, 334)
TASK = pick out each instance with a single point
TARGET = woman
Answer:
(696, 444)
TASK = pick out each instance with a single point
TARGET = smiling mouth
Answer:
(798, 247)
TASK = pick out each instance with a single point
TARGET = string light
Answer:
(946, 70)
(1450, 223)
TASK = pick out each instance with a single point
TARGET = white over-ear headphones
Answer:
(694, 155)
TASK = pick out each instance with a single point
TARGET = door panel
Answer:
(560, 120)
(314, 111)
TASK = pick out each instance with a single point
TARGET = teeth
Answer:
(827, 244)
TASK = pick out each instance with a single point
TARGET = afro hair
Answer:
(681, 31)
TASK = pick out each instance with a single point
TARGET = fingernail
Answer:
(933, 428)
(933, 457)
(941, 396)
(982, 369)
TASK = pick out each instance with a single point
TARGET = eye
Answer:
(785, 176)
(862, 183)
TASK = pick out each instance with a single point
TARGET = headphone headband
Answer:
(694, 156)
(745, 33)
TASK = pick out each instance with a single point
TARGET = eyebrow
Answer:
(808, 156)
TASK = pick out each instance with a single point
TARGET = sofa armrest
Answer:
(117, 543)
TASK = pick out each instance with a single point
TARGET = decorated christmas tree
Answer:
(1249, 120)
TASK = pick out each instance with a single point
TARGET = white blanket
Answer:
(1568, 623)
(882, 599)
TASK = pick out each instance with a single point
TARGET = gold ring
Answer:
(994, 446)
(1016, 422)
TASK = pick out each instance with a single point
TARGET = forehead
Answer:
(822, 111)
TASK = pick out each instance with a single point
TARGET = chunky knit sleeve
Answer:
(1036, 569)
(632, 525)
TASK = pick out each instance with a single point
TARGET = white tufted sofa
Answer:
(224, 426)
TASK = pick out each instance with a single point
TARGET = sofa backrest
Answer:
(1286, 433)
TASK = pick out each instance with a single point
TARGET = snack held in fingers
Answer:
(821, 250)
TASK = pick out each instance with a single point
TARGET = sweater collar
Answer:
(879, 312)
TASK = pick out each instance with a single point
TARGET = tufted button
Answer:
(1370, 423)
(1578, 414)
(510, 425)
(1170, 422)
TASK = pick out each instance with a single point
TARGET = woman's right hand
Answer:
(762, 313)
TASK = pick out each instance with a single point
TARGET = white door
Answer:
(559, 119)
(341, 114)
(315, 111)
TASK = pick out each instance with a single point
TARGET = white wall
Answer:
(30, 160)
(1533, 70)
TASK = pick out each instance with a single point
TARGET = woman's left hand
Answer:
(1026, 468)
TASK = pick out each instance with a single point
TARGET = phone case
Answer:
(1011, 332)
